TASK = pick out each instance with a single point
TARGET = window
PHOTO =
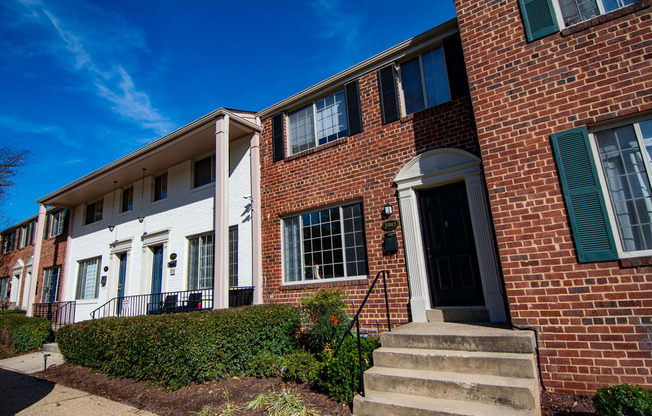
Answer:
(94, 212)
(24, 236)
(204, 171)
(626, 159)
(161, 186)
(127, 199)
(544, 17)
(318, 123)
(200, 262)
(576, 11)
(88, 279)
(50, 285)
(425, 81)
(325, 244)
(606, 179)
(233, 256)
(4, 288)
(56, 223)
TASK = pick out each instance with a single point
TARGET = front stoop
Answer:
(442, 368)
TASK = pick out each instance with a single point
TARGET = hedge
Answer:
(23, 333)
(177, 349)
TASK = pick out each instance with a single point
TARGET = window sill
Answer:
(317, 149)
(636, 262)
(603, 18)
(322, 283)
(210, 185)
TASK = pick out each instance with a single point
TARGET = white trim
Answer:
(156, 238)
(428, 170)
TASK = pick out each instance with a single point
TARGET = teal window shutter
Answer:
(538, 18)
(583, 195)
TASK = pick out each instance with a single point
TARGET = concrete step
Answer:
(518, 393)
(468, 362)
(53, 347)
(458, 314)
(461, 337)
(375, 403)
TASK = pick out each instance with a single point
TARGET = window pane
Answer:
(292, 249)
(412, 87)
(204, 171)
(331, 118)
(127, 199)
(233, 256)
(161, 187)
(628, 184)
(302, 130)
(193, 266)
(434, 72)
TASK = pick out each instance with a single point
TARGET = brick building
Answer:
(561, 99)
(16, 250)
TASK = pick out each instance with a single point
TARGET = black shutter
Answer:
(538, 18)
(66, 220)
(278, 138)
(585, 203)
(388, 94)
(46, 235)
(353, 111)
(457, 80)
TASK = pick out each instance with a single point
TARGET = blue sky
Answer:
(85, 82)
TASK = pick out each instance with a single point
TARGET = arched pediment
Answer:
(437, 162)
(18, 266)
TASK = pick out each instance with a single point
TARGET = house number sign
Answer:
(390, 225)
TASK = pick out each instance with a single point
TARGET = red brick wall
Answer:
(53, 253)
(360, 167)
(7, 261)
(595, 318)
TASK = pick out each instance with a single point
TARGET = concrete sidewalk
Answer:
(23, 394)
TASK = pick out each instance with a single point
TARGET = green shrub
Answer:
(325, 318)
(264, 364)
(298, 366)
(338, 375)
(13, 311)
(26, 333)
(623, 400)
(177, 349)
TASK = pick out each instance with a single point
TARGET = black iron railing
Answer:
(170, 302)
(58, 313)
(356, 322)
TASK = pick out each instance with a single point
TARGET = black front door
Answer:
(122, 275)
(451, 260)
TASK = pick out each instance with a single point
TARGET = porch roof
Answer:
(189, 141)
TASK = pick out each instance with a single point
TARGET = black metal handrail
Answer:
(170, 302)
(356, 321)
(58, 313)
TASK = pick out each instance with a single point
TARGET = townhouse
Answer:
(16, 261)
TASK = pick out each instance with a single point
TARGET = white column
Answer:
(38, 243)
(414, 256)
(221, 270)
(67, 271)
(486, 251)
(256, 234)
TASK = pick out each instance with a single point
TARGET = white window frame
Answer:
(197, 261)
(83, 264)
(301, 244)
(604, 188)
(56, 225)
(95, 204)
(47, 276)
(130, 196)
(163, 196)
(24, 236)
(313, 105)
(424, 90)
(560, 16)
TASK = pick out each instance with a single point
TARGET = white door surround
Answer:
(428, 170)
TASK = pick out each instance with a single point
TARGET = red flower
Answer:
(334, 320)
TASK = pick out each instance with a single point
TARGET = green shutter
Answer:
(538, 18)
(47, 226)
(585, 203)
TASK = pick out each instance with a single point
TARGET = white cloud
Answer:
(98, 62)
(19, 125)
(338, 21)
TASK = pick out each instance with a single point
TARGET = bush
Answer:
(13, 312)
(264, 364)
(338, 375)
(177, 349)
(298, 366)
(623, 400)
(23, 333)
(325, 318)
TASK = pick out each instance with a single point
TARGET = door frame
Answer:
(429, 170)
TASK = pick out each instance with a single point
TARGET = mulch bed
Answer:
(187, 400)
(191, 399)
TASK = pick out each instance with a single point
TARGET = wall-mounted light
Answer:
(387, 210)
(111, 227)
(141, 218)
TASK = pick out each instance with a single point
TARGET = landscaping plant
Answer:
(623, 400)
(325, 318)
(23, 333)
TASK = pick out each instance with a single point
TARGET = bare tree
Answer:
(11, 158)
